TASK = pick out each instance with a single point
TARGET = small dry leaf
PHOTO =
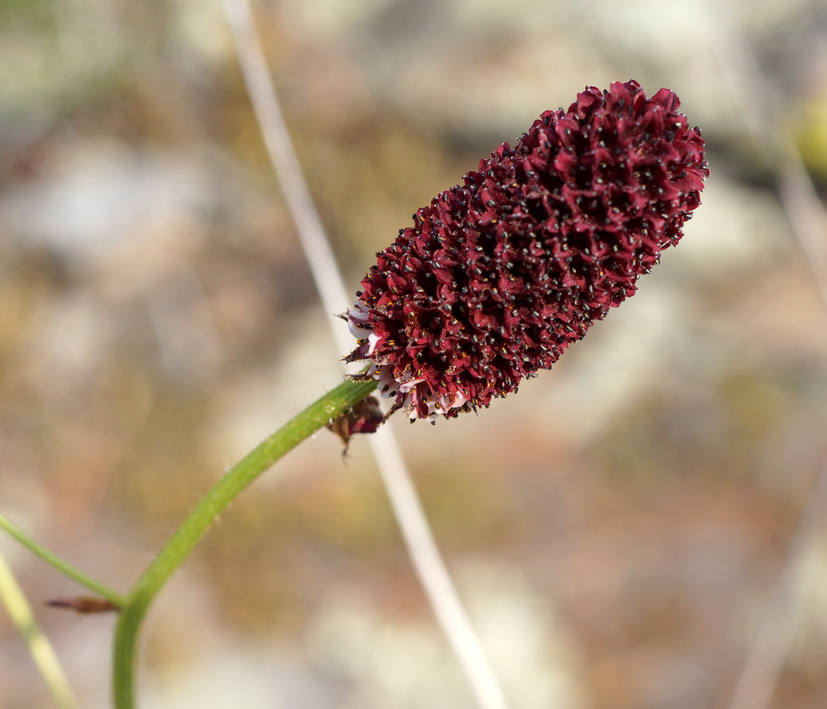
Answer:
(364, 417)
(84, 604)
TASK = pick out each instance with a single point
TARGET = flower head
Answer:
(499, 275)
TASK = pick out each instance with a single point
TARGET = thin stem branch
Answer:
(413, 524)
(204, 514)
(64, 567)
(40, 648)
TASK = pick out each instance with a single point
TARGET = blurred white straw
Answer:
(773, 639)
(40, 649)
(406, 505)
(769, 650)
(770, 131)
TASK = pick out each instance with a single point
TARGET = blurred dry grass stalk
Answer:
(769, 129)
(615, 528)
(407, 508)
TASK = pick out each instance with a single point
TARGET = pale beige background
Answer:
(615, 528)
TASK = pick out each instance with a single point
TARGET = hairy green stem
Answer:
(117, 599)
(202, 516)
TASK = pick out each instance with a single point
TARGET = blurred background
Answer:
(616, 529)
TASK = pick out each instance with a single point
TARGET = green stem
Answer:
(202, 516)
(64, 567)
(40, 648)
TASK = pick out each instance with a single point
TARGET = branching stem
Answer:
(202, 516)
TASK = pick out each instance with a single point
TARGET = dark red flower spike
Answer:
(500, 274)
